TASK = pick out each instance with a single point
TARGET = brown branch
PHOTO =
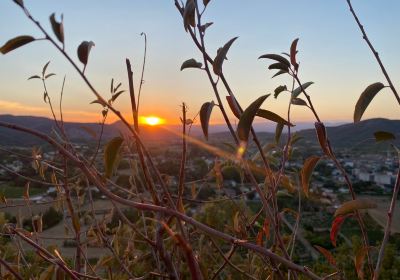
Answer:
(376, 54)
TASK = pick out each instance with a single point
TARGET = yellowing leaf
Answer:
(306, 172)
(353, 205)
(246, 119)
(366, 97)
(328, 256)
(236, 226)
(16, 43)
(110, 154)
(205, 113)
(221, 56)
(359, 261)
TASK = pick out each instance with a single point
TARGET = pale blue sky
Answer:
(332, 53)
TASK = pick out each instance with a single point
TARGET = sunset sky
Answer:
(331, 51)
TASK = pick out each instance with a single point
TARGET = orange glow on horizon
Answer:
(151, 120)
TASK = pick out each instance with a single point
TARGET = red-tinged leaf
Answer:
(293, 52)
(276, 57)
(383, 136)
(353, 205)
(205, 113)
(359, 261)
(328, 256)
(322, 137)
(16, 43)
(259, 238)
(306, 172)
(234, 106)
(366, 97)
(246, 119)
(335, 228)
(266, 228)
(221, 56)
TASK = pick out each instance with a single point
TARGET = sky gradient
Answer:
(331, 51)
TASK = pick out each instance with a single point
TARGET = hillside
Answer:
(342, 136)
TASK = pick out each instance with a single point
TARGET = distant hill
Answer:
(359, 135)
(341, 136)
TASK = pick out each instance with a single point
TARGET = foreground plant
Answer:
(163, 239)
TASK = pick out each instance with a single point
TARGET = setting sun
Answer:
(152, 120)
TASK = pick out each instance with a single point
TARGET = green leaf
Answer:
(16, 43)
(293, 52)
(84, 50)
(276, 57)
(353, 205)
(191, 63)
(272, 117)
(49, 75)
(34, 77)
(296, 92)
(203, 27)
(383, 136)
(110, 154)
(189, 14)
(98, 101)
(366, 97)
(278, 90)
(115, 96)
(280, 72)
(246, 119)
(221, 56)
(278, 66)
(205, 113)
(45, 68)
(306, 172)
(278, 132)
(58, 27)
(299, 101)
